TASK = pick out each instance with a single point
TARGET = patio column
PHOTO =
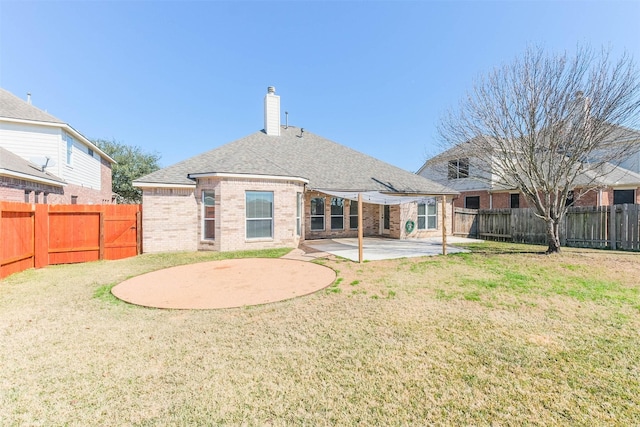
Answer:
(444, 225)
(360, 228)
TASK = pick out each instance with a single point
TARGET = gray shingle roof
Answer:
(609, 175)
(324, 163)
(14, 163)
(15, 108)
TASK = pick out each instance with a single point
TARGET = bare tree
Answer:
(549, 126)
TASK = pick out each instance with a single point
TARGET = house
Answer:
(280, 186)
(480, 189)
(45, 160)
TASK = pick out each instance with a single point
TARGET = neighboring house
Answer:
(280, 186)
(45, 160)
(479, 189)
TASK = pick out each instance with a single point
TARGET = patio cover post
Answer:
(360, 230)
(444, 225)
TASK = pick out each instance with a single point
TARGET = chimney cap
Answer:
(271, 89)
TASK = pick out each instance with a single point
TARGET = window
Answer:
(386, 223)
(569, 201)
(515, 201)
(27, 196)
(208, 215)
(458, 168)
(69, 149)
(621, 197)
(428, 214)
(299, 214)
(353, 215)
(317, 213)
(90, 152)
(337, 213)
(74, 200)
(472, 202)
(259, 213)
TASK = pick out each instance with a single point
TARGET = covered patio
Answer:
(380, 248)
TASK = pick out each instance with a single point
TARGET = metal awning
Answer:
(377, 198)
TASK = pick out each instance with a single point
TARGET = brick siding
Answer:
(13, 190)
(230, 225)
(169, 220)
(172, 218)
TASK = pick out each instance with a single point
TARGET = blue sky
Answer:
(181, 78)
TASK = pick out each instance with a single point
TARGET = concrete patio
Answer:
(379, 248)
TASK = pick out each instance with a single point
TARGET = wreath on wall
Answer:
(409, 226)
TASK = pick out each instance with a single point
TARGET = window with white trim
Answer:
(428, 214)
(458, 168)
(208, 215)
(337, 213)
(298, 214)
(259, 214)
(317, 213)
(353, 215)
(69, 139)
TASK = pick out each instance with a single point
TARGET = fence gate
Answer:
(36, 235)
(465, 222)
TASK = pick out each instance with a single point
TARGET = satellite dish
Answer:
(42, 161)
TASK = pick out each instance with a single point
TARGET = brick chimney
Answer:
(272, 112)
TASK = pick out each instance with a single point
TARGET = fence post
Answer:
(612, 226)
(101, 236)
(41, 236)
(1, 240)
(139, 231)
(624, 238)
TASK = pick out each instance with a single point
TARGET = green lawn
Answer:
(501, 336)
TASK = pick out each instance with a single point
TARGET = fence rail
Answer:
(615, 227)
(34, 235)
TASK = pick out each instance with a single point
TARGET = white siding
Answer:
(632, 163)
(84, 169)
(28, 141)
(439, 173)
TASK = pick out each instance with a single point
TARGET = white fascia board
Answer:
(26, 177)
(139, 184)
(247, 176)
(66, 128)
(88, 143)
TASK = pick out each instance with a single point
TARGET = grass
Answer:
(504, 335)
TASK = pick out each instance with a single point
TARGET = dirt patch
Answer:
(225, 284)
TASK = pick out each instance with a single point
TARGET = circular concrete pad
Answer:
(225, 284)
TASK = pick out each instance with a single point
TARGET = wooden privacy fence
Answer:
(615, 227)
(35, 235)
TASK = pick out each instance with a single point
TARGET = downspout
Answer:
(599, 201)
